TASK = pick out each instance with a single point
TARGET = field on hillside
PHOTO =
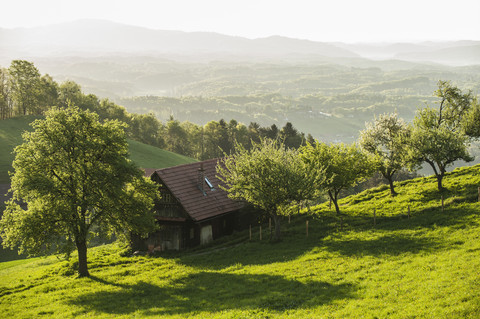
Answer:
(11, 136)
(425, 266)
(143, 155)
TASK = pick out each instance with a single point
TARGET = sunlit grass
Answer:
(425, 266)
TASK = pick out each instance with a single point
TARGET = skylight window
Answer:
(209, 184)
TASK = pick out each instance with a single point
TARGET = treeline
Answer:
(24, 91)
(335, 115)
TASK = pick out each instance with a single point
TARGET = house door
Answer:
(206, 235)
(170, 237)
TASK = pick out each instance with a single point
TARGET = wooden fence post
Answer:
(250, 232)
(260, 232)
(289, 219)
(443, 208)
(306, 223)
(270, 224)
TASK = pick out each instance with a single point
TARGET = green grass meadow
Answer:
(423, 266)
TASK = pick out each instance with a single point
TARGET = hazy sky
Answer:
(319, 20)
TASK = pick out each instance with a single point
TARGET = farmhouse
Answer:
(193, 209)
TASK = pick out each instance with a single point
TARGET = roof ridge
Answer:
(189, 164)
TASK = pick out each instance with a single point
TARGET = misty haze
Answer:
(223, 161)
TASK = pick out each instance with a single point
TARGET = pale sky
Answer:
(320, 20)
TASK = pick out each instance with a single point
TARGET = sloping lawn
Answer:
(426, 266)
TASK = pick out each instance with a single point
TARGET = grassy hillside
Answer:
(145, 156)
(11, 136)
(425, 266)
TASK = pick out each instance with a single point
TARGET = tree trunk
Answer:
(82, 258)
(438, 174)
(392, 189)
(388, 175)
(334, 197)
(277, 234)
(439, 182)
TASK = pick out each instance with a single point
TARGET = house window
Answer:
(166, 197)
(209, 184)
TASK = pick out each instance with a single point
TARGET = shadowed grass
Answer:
(208, 292)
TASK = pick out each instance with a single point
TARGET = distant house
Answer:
(193, 209)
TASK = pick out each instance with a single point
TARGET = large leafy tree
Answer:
(269, 176)
(175, 137)
(290, 136)
(72, 174)
(146, 128)
(385, 138)
(438, 135)
(70, 92)
(215, 139)
(5, 102)
(471, 120)
(48, 94)
(25, 83)
(436, 145)
(342, 166)
(453, 105)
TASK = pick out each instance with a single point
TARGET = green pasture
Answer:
(397, 265)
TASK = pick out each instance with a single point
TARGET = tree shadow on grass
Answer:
(386, 239)
(325, 233)
(451, 216)
(212, 292)
(384, 245)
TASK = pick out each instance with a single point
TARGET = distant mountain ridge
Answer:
(88, 38)
(459, 55)
(98, 36)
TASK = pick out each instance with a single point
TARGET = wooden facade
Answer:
(193, 209)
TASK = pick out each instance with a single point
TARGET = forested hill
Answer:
(35, 94)
(327, 89)
(329, 100)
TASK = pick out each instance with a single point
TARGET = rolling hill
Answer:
(420, 266)
(143, 155)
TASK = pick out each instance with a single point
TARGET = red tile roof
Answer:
(183, 183)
